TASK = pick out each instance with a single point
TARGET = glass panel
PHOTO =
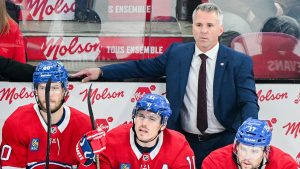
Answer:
(90, 33)
(275, 52)
(275, 55)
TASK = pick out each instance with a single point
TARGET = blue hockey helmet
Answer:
(254, 132)
(156, 104)
(50, 68)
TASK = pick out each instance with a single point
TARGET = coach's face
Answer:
(57, 94)
(206, 29)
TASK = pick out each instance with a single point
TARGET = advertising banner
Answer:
(113, 103)
(96, 48)
(47, 10)
(139, 10)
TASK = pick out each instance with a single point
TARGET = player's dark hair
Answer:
(284, 24)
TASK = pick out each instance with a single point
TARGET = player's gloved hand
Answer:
(93, 142)
(97, 140)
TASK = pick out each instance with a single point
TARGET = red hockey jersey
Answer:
(171, 152)
(24, 139)
(12, 43)
(222, 158)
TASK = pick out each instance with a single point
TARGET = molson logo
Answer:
(292, 128)
(46, 9)
(12, 94)
(271, 96)
(97, 94)
(94, 48)
(71, 48)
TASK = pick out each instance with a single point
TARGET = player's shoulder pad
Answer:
(122, 132)
(174, 135)
(23, 110)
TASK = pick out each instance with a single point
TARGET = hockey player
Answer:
(144, 144)
(251, 150)
(24, 134)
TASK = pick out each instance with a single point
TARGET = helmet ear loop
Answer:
(234, 154)
(35, 96)
(234, 148)
(163, 121)
(66, 94)
(267, 153)
(134, 112)
(37, 99)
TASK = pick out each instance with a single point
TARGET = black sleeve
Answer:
(15, 71)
